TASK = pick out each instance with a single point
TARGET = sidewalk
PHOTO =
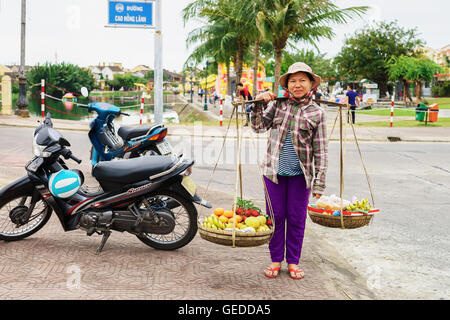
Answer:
(416, 134)
(53, 264)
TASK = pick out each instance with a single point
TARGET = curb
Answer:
(233, 135)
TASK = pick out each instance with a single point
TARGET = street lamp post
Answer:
(22, 101)
(191, 75)
(184, 83)
(192, 88)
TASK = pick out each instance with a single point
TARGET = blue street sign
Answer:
(130, 13)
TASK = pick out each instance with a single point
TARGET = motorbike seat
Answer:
(126, 171)
(128, 133)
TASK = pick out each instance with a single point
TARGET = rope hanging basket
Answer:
(344, 219)
(233, 236)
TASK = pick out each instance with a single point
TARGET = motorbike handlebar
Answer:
(74, 158)
(66, 153)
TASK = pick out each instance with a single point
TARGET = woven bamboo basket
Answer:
(241, 239)
(326, 219)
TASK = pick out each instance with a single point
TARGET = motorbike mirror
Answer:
(48, 120)
(84, 92)
(63, 142)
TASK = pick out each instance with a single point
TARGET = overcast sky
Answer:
(74, 31)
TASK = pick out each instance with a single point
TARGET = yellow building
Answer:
(140, 68)
(246, 78)
(4, 69)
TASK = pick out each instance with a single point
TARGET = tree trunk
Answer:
(239, 61)
(383, 88)
(278, 59)
(255, 70)
(229, 93)
(408, 93)
(418, 85)
(405, 90)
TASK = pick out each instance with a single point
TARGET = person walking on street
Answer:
(295, 163)
(245, 95)
(353, 101)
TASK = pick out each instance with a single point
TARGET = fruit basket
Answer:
(355, 215)
(246, 226)
(241, 239)
(335, 212)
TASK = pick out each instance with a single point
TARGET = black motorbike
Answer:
(150, 197)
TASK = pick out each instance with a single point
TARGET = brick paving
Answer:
(52, 264)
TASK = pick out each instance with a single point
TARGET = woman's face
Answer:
(299, 84)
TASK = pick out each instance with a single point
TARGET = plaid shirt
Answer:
(308, 125)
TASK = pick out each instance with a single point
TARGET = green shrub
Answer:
(441, 90)
(66, 76)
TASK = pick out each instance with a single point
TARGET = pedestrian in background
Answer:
(295, 163)
(245, 95)
(353, 101)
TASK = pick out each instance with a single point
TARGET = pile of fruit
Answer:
(362, 205)
(246, 218)
(332, 205)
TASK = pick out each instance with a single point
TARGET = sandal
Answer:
(298, 273)
(273, 275)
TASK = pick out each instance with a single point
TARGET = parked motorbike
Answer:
(126, 142)
(150, 197)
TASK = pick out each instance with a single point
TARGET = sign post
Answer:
(158, 66)
(142, 14)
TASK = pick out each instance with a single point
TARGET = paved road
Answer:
(403, 254)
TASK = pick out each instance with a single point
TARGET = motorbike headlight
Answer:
(38, 150)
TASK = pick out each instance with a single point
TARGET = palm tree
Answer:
(300, 20)
(249, 13)
(234, 26)
(214, 41)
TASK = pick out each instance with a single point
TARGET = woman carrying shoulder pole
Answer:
(295, 163)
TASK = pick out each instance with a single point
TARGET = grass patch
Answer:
(443, 122)
(387, 112)
(444, 103)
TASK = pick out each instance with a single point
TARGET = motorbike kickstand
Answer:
(106, 235)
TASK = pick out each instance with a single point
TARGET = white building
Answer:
(106, 72)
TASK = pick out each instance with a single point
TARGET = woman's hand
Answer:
(266, 96)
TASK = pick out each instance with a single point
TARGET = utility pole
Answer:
(22, 101)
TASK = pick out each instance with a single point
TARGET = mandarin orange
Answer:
(228, 214)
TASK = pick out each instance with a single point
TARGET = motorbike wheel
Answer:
(12, 224)
(185, 224)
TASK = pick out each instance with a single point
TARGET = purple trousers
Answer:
(289, 199)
